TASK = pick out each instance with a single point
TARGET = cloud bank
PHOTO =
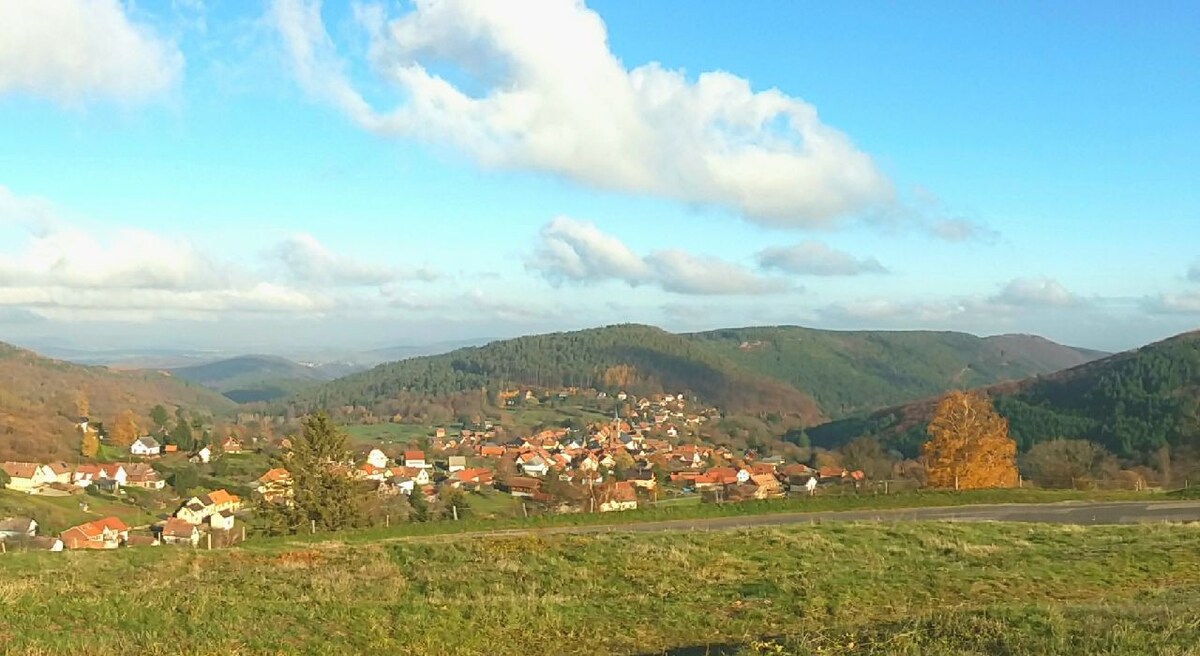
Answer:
(813, 258)
(52, 268)
(69, 51)
(534, 86)
(573, 251)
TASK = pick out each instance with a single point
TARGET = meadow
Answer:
(905, 588)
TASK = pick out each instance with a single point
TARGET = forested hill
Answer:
(251, 378)
(39, 396)
(640, 360)
(849, 372)
(1133, 403)
(802, 372)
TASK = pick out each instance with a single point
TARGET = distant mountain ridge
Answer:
(1133, 403)
(815, 374)
(253, 378)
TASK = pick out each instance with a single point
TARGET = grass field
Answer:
(508, 515)
(909, 588)
(55, 514)
(376, 434)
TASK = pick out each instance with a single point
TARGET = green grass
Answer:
(55, 514)
(910, 588)
(375, 434)
(693, 511)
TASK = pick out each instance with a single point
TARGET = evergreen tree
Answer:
(160, 417)
(418, 504)
(323, 492)
(181, 436)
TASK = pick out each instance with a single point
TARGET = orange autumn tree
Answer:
(968, 445)
(124, 429)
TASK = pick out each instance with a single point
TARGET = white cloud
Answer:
(683, 273)
(1186, 303)
(308, 261)
(1194, 273)
(57, 269)
(960, 230)
(72, 50)
(577, 251)
(814, 258)
(545, 93)
(1036, 292)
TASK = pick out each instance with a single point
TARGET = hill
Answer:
(252, 378)
(641, 360)
(850, 372)
(1133, 403)
(38, 398)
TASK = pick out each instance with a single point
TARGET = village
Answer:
(645, 459)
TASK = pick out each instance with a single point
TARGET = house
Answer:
(643, 479)
(797, 474)
(107, 533)
(18, 527)
(414, 459)
(110, 475)
(62, 472)
(275, 484)
(222, 521)
(179, 531)
(456, 463)
(532, 464)
(203, 456)
(831, 472)
(198, 509)
(377, 459)
(140, 474)
(370, 472)
(27, 476)
(145, 446)
(231, 445)
(473, 478)
(766, 486)
(491, 451)
(519, 486)
(420, 476)
(170, 448)
(618, 496)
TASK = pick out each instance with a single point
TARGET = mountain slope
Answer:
(251, 378)
(638, 359)
(1133, 403)
(849, 372)
(38, 397)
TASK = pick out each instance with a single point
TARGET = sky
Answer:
(291, 174)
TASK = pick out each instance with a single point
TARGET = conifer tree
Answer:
(323, 492)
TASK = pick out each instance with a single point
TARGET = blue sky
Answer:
(286, 175)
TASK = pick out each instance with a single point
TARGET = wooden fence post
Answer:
(455, 510)
(312, 526)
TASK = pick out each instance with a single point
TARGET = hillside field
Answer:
(910, 588)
